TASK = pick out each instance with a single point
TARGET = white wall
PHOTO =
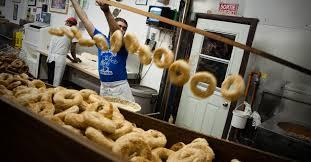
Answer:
(281, 31)
(7, 10)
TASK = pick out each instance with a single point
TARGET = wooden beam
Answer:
(210, 35)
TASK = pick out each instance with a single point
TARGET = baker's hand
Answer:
(103, 6)
(76, 60)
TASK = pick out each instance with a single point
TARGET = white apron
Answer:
(60, 66)
(118, 89)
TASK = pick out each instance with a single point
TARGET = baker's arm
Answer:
(83, 17)
(74, 58)
(113, 26)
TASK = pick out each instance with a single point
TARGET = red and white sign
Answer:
(228, 8)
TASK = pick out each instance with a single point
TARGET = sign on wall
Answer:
(228, 8)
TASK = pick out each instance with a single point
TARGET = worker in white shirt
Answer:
(58, 52)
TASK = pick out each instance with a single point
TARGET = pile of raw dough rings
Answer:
(179, 71)
(89, 115)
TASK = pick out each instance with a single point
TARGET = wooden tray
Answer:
(28, 137)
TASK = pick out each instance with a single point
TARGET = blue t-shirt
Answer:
(111, 67)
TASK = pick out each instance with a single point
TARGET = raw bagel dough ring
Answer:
(116, 41)
(179, 72)
(161, 154)
(239, 85)
(122, 127)
(65, 99)
(155, 138)
(210, 155)
(4, 78)
(86, 42)
(132, 144)
(43, 108)
(4, 91)
(205, 77)
(73, 109)
(187, 155)
(101, 42)
(17, 63)
(68, 33)
(13, 85)
(85, 93)
(95, 98)
(72, 129)
(98, 121)
(177, 146)
(168, 57)
(131, 42)
(76, 32)
(144, 54)
(97, 136)
(56, 31)
(75, 120)
(39, 84)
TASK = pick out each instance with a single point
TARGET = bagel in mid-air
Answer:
(179, 72)
(163, 52)
(56, 31)
(144, 54)
(204, 77)
(116, 41)
(232, 87)
(101, 42)
(131, 42)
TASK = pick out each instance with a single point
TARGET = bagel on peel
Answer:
(204, 77)
(101, 42)
(76, 32)
(86, 42)
(144, 54)
(163, 52)
(179, 72)
(116, 41)
(56, 31)
(131, 42)
(232, 87)
(68, 33)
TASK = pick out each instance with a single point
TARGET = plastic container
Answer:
(239, 117)
(146, 97)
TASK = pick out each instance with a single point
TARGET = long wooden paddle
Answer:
(210, 35)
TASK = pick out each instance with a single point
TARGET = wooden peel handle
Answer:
(210, 35)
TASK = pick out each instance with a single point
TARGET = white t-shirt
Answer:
(59, 46)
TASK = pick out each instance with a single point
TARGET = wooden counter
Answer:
(87, 66)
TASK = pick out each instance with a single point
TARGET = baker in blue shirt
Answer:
(111, 66)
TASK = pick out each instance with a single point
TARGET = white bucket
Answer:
(239, 119)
